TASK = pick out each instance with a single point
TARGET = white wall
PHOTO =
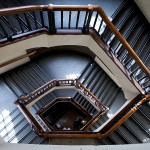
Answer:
(144, 5)
(80, 147)
(1, 140)
(13, 50)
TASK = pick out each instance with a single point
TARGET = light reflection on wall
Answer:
(7, 130)
(72, 76)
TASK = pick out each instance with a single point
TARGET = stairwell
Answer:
(25, 79)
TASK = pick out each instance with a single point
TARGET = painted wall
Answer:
(1, 141)
(17, 49)
(144, 6)
(62, 147)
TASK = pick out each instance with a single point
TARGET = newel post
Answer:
(51, 19)
(87, 19)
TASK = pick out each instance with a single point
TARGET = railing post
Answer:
(51, 19)
(87, 19)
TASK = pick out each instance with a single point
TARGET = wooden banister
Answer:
(23, 9)
(42, 87)
(123, 41)
(36, 126)
(79, 134)
(17, 59)
(50, 7)
(49, 86)
(95, 98)
(126, 116)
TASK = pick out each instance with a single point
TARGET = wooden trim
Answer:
(92, 121)
(70, 135)
(49, 128)
(123, 41)
(21, 9)
(78, 134)
(36, 126)
(51, 7)
(81, 107)
(127, 115)
(16, 59)
(93, 96)
(23, 36)
(115, 60)
(65, 82)
(120, 113)
(42, 87)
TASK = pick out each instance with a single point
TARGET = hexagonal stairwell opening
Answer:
(64, 115)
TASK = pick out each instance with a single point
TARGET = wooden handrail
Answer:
(121, 113)
(36, 126)
(123, 41)
(92, 121)
(80, 134)
(40, 88)
(22, 9)
(16, 59)
(63, 82)
(126, 116)
(95, 98)
(50, 7)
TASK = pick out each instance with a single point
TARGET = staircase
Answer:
(27, 78)
(99, 83)
(134, 27)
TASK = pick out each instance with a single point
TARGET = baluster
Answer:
(69, 23)
(95, 20)
(135, 71)
(28, 21)
(100, 26)
(77, 21)
(51, 18)
(35, 20)
(3, 29)
(145, 76)
(61, 19)
(87, 22)
(11, 25)
(20, 22)
(42, 18)
(84, 24)
(147, 86)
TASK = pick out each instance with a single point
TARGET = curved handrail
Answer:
(98, 134)
(17, 59)
(100, 11)
(40, 88)
(73, 82)
(126, 116)
(89, 8)
(29, 98)
(82, 134)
